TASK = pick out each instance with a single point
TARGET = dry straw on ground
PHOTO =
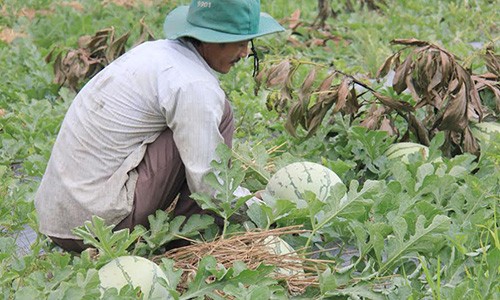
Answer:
(295, 270)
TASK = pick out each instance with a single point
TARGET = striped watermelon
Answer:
(402, 150)
(291, 181)
(138, 271)
(277, 246)
(482, 131)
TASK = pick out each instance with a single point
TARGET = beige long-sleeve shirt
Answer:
(106, 130)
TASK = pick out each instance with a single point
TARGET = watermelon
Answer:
(277, 246)
(291, 181)
(139, 272)
(403, 150)
(482, 131)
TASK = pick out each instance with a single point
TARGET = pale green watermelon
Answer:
(138, 271)
(402, 150)
(291, 181)
(277, 246)
(482, 131)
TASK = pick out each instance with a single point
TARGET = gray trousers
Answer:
(161, 179)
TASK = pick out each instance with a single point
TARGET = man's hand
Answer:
(257, 198)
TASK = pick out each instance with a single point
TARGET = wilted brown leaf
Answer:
(455, 138)
(474, 107)
(492, 60)
(76, 64)
(446, 91)
(488, 76)
(324, 105)
(453, 85)
(419, 130)
(325, 86)
(445, 94)
(145, 33)
(352, 106)
(455, 114)
(73, 66)
(296, 116)
(399, 81)
(373, 117)
(285, 97)
(8, 35)
(386, 66)
(305, 90)
(418, 73)
(410, 42)
(116, 47)
(278, 74)
(387, 125)
(421, 101)
(431, 62)
(446, 66)
(84, 41)
(316, 115)
(59, 76)
(473, 102)
(327, 35)
(99, 42)
(84, 62)
(294, 20)
(342, 94)
(470, 143)
(398, 105)
(2, 112)
(436, 80)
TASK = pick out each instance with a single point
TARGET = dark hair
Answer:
(192, 40)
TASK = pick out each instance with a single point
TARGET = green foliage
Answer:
(368, 148)
(101, 236)
(399, 245)
(164, 229)
(237, 281)
(225, 179)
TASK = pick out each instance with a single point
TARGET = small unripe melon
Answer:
(139, 272)
(293, 180)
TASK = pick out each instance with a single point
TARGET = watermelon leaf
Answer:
(212, 276)
(110, 244)
(163, 229)
(425, 240)
(224, 180)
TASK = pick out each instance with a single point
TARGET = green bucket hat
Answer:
(220, 21)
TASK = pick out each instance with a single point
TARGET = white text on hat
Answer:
(206, 4)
